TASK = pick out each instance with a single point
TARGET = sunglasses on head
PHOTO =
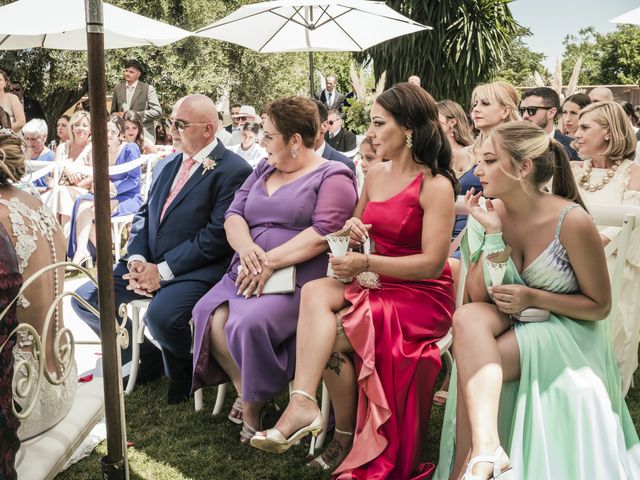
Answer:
(531, 111)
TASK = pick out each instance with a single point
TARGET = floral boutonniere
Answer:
(208, 164)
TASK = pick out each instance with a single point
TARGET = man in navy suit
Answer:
(541, 106)
(177, 248)
(323, 148)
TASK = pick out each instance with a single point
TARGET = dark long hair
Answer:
(413, 108)
(134, 117)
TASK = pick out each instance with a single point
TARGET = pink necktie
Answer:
(183, 176)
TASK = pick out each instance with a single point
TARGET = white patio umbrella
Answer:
(632, 16)
(61, 24)
(93, 26)
(311, 25)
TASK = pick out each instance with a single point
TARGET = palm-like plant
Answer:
(468, 41)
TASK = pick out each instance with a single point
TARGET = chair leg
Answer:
(222, 390)
(197, 399)
(135, 349)
(448, 361)
(325, 408)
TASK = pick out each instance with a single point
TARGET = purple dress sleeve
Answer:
(240, 198)
(336, 202)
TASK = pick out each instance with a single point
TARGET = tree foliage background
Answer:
(220, 70)
(472, 41)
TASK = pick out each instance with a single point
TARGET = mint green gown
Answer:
(565, 418)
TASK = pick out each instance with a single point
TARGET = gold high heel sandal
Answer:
(334, 454)
(275, 442)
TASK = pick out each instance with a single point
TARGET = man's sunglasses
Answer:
(331, 122)
(180, 125)
(531, 111)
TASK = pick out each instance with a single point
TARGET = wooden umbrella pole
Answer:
(114, 464)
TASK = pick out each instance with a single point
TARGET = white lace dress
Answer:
(626, 324)
(49, 398)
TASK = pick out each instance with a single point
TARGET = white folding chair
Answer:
(119, 222)
(628, 218)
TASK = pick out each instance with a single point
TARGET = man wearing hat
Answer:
(246, 114)
(133, 94)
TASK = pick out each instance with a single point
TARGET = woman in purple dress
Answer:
(278, 218)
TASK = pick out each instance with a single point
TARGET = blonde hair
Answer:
(610, 115)
(13, 153)
(74, 120)
(525, 140)
(502, 93)
(461, 130)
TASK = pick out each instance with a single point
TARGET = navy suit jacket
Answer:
(191, 236)
(331, 153)
(566, 143)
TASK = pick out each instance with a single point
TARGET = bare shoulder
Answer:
(634, 177)
(437, 191)
(577, 226)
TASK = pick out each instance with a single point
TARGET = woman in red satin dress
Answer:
(380, 364)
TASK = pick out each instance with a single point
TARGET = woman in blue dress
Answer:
(125, 193)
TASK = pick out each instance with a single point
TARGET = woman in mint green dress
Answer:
(537, 399)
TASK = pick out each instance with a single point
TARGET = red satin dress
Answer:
(393, 331)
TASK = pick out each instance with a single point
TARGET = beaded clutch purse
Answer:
(369, 280)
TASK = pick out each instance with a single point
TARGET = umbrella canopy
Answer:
(311, 25)
(61, 24)
(632, 16)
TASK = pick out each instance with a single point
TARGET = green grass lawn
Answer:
(177, 443)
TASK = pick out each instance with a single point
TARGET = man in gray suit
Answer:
(133, 94)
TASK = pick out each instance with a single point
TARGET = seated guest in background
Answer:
(35, 133)
(62, 131)
(124, 187)
(338, 137)
(32, 107)
(368, 155)
(518, 382)
(278, 219)
(601, 94)
(162, 136)
(322, 148)
(609, 176)
(248, 148)
(365, 159)
(223, 135)
(177, 247)
(10, 103)
(234, 128)
(37, 240)
(134, 133)
(457, 129)
(373, 342)
(570, 111)
(541, 105)
(74, 153)
(246, 113)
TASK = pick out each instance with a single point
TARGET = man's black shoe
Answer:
(179, 390)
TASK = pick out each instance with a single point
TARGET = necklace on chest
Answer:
(586, 176)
